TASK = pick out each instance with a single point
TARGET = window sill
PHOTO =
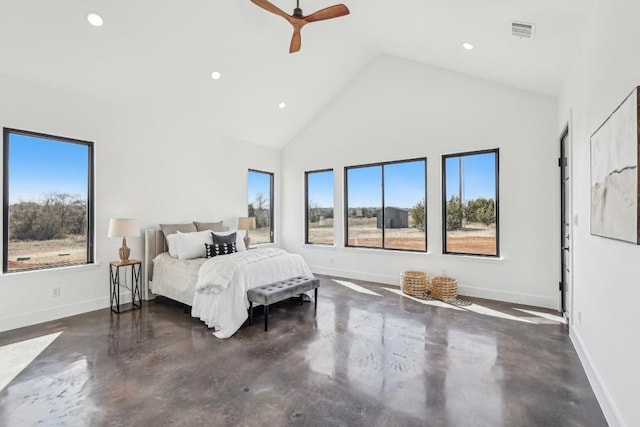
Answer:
(475, 258)
(320, 246)
(55, 270)
(386, 251)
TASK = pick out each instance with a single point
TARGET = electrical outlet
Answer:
(55, 292)
(579, 318)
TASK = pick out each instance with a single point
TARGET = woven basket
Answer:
(415, 283)
(444, 288)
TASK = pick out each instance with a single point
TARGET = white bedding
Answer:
(226, 310)
(175, 278)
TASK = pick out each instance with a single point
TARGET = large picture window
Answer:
(470, 203)
(48, 201)
(385, 205)
(261, 205)
(319, 207)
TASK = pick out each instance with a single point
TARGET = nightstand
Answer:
(115, 285)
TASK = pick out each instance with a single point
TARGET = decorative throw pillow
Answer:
(218, 249)
(223, 238)
(239, 238)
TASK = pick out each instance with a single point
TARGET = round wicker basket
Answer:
(415, 283)
(444, 288)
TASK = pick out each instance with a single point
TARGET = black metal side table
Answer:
(115, 285)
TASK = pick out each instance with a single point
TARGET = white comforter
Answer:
(216, 273)
(221, 291)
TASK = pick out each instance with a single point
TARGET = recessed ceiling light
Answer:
(216, 75)
(467, 46)
(282, 105)
(95, 19)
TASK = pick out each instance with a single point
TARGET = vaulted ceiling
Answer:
(159, 54)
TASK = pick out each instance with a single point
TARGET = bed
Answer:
(215, 288)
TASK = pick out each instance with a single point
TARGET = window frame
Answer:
(271, 205)
(306, 206)
(346, 204)
(495, 151)
(6, 132)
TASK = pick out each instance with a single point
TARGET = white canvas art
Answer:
(614, 174)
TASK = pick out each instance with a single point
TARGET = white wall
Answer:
(605, 316)
(397, 109)
(150, 167)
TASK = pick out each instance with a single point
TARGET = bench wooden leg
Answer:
(250, 313)
(266, 318)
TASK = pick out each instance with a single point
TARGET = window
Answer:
(470, 203)
(319, 208)
(261, 205)
(385, 205)
(48, 201)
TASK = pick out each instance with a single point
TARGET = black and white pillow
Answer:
(220, 249)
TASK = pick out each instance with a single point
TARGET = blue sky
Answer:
(478, 177)
(404, 185)
(39, 166)
(259, 183)
(321, 188)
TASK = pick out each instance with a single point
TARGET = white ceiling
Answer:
(160, 53)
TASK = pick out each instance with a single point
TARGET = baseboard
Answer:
(58, 312)
(494, 294)
(515, 297)
(357, 275)
(609, 408)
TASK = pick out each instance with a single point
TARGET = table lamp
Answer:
(247, 223)
(123, 227)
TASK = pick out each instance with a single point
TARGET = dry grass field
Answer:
(46, 253)
(474, 239)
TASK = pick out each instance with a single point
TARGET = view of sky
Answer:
(321, 188)
(404, 182)
(478, 176)
(39, 166)
(404, 185)
(259, 183)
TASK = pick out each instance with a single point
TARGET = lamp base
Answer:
(124, 250)
(247, 241)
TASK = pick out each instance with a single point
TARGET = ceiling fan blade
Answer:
(271, 8)
(296, 39)
(327, 13)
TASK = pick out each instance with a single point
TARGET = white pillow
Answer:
(239, 238)
(191, 245)
(172, 243)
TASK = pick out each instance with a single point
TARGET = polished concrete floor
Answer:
(370, 357)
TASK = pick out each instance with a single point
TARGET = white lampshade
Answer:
(123, 227)
(247, 223)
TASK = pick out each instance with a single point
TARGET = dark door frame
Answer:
(565, 222)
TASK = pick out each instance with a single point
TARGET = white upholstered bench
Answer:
(280, 291)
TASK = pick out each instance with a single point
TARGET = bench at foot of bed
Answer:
(280, 291)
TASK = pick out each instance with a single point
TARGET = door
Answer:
(565, 223)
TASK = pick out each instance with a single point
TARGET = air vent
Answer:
(523, 30)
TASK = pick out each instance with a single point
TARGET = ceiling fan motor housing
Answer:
(297, 12)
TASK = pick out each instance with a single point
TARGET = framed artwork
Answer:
(614, 174)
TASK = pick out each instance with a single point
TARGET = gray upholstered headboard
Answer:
(154, 244)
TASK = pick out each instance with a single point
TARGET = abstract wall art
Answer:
(614, 174)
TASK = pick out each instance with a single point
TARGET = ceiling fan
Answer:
(298, 20)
